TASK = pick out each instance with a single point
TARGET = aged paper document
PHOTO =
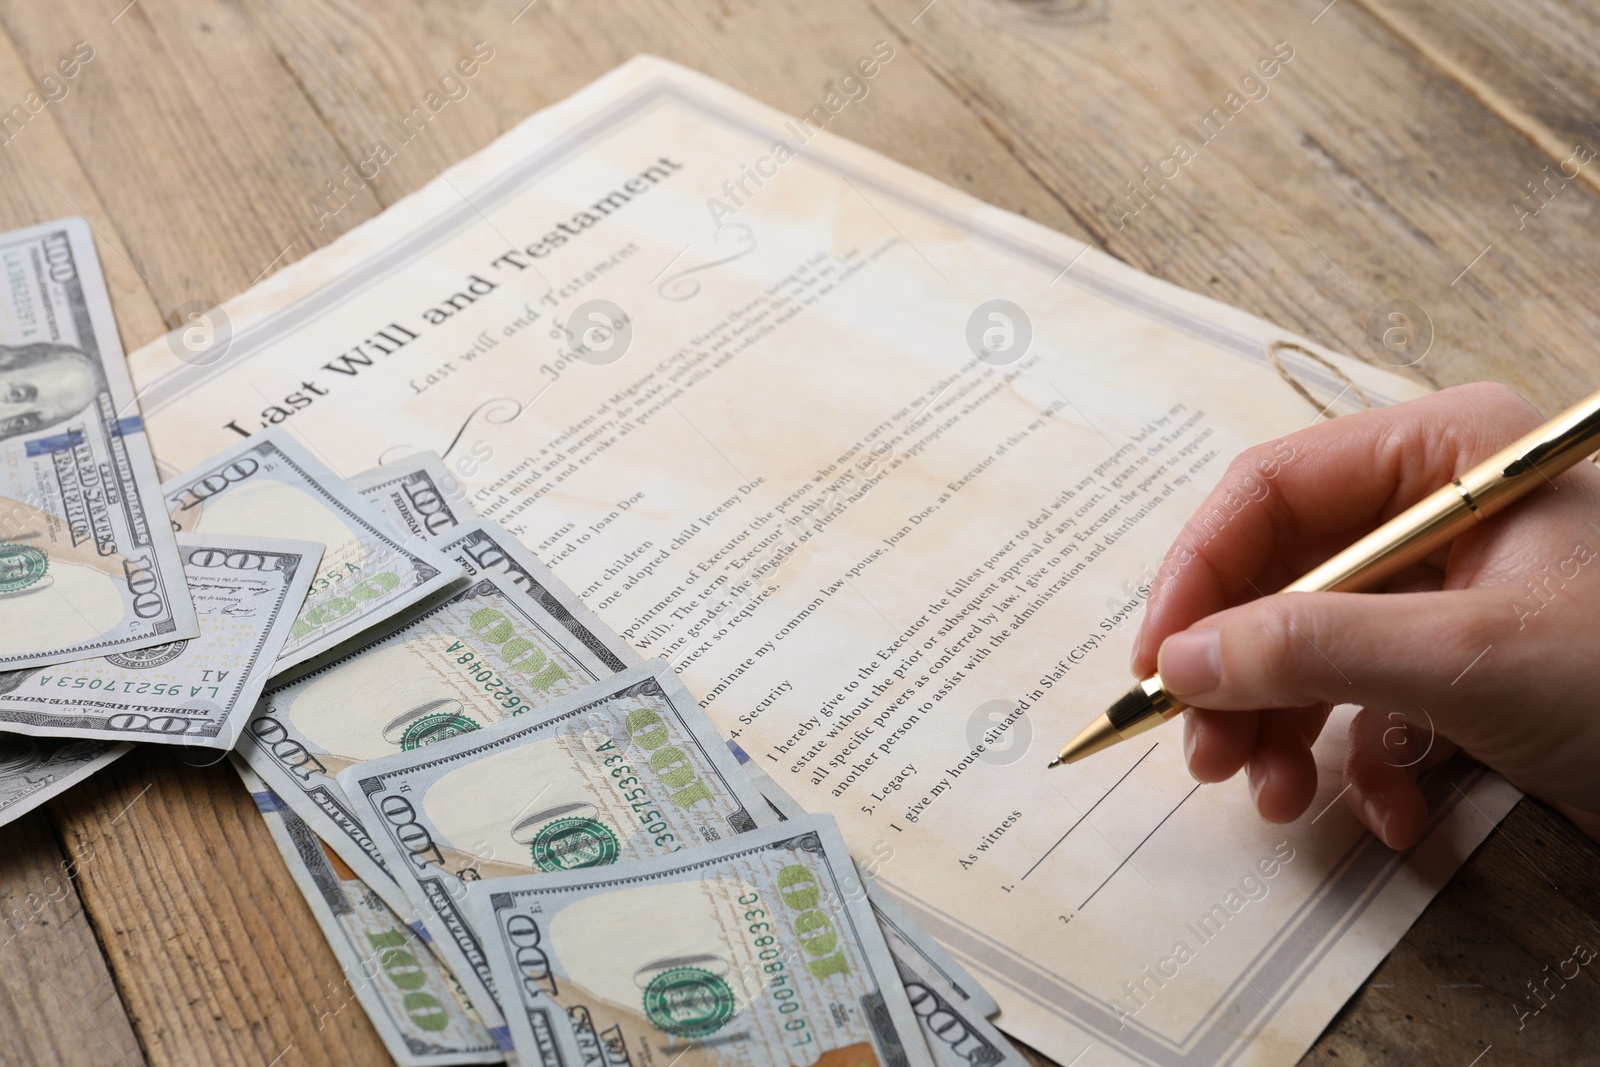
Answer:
(884, 473)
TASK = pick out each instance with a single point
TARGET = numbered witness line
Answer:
(1140, 845)
(1086, 814)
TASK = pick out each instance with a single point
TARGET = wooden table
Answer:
(1410, 150)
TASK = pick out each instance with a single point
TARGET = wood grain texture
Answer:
(41, 179)
(219, 959)
(368, 66)
(194, 134)
(1531, 62)
(1383, 162)
(56, 992)
(1364, 174)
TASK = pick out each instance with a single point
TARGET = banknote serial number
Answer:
(114, 685)
(334, 576)
(807, 922)
(499, 690)
(772, 958)
(636, 796)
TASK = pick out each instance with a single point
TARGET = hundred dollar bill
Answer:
(483, 655)
(88, 563)
(32, 770)
(749, 951)
(954, 1027)
(413, 1001)
(416, 494)
(246, 591)
(270, 485)
(628, 768)
(951, 1007)
(481, 545)
(907, 940)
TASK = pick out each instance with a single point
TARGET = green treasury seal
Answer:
(20, 567)
(570, 843)
(431, 728)
(688, 1002)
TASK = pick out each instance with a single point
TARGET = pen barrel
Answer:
(1130, 716)
(1429, 524)
(1435, 520)
(1442, 516)
(1535, 459)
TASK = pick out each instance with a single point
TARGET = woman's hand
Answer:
(1493, 642)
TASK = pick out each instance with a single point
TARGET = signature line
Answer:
(1140, 845)
(1086, 814)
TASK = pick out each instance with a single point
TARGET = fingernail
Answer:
(1190, 732)
(1138, 643)
(1256, 775)
(1377, 813)
(1191, 661)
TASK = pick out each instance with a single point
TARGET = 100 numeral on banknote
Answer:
(626, 768)
(750, 950)
(413, 1002)
(476, 659)
(246, 591)
(272, 485)
(88, 562)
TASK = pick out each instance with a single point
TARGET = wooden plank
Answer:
(544, 52)
(1529, 61)
(187, 1005)
(1052, 137)
(178, 904)
(56, 992)
(218, 957)
(195, 136)
(387, 75)
(41, 179)
(1363, 175)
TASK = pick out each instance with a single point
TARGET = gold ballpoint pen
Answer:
(1435, 520)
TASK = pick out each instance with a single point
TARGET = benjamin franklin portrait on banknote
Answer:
(41, 384)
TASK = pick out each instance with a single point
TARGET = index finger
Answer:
(1325, 485)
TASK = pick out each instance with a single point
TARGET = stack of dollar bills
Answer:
(521, 842)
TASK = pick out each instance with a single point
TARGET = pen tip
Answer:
(1098, 735)
(1053, 763)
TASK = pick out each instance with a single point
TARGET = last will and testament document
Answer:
(884, 473)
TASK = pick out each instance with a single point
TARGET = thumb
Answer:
(1294, 649)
